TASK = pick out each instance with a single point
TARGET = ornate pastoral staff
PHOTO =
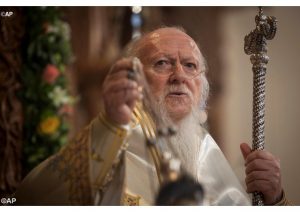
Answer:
(256, 46)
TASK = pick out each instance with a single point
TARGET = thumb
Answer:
(245, 149)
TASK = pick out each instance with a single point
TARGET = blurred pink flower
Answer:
(50, 73)
(66, 110)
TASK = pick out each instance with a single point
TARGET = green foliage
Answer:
(47, 42)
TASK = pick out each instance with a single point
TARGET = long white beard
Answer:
(185, 144)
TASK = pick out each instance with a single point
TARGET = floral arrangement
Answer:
(46, 100)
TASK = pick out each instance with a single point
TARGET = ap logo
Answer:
(6, 14)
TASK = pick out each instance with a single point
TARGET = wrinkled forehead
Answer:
(168, 40)
(172, 40)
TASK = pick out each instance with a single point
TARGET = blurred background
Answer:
(53, 62)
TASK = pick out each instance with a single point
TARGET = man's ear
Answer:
(245, 149)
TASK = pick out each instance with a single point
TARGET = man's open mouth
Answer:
(177, 94)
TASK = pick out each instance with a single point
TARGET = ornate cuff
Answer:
(283, 201)
(120, 130)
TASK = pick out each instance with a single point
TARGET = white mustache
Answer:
(178, 89)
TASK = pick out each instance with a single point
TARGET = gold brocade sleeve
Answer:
(84, 165)
(107, 144)
(62, 179)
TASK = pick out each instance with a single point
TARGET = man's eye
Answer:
(191, 65)
(161, 63)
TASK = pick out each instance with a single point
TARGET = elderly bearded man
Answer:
(108, 165)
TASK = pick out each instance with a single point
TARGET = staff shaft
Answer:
(256, 46)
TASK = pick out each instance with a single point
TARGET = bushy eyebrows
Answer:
(158, 55)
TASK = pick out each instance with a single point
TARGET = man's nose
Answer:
(178, 75)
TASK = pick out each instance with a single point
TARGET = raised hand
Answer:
(120, 91)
